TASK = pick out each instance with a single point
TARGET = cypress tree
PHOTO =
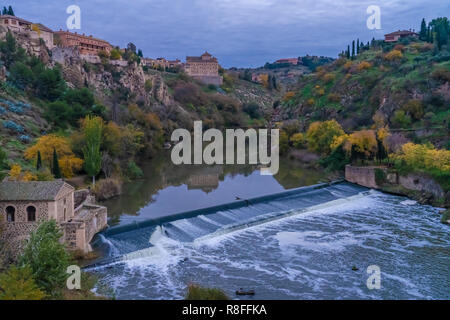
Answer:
(423, 35)
(5, 11)
(274, 82)
(353, 49)
(39, 161)
(348, 52)
(56, 170)
(11, 11)
(357, 46)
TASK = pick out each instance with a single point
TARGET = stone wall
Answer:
(421, 183)
(364, 176)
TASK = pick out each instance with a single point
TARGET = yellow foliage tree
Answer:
(320, 135)
(28, 176)
(66, 158)
(15, 172)
(364, 142)
(328, 77)
(264, 80)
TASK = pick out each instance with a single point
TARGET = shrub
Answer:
(364, 65)
(328, 77)
(11, 125)
(18, 284)
(414, 108)
(252, 109)
(195, 292)
(400, 119)
(334, 97)
(47, 258)
(298, 140)
(133, 171)
(107, 188)
(288, 96)
(393, 55)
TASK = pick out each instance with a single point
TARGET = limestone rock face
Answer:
(112, 80)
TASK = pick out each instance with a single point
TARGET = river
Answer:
(299, 246)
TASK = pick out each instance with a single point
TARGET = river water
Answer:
(299, 246)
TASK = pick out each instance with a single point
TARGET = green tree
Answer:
(357, 46)
(10, 52)
(50, 84)
(423, 30)
(11, 11)
(47, 258)
(3, 158)
(92, 128)
(348, 52)
(39, 161)
(353, 49)
(18, 284)
(55, 167)
(21, 76)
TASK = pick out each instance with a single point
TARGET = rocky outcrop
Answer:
(110, 79)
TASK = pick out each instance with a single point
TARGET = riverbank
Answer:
(417, 186)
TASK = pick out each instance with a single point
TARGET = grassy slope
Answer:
(353, 96)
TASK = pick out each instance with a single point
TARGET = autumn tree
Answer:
(362, 144)
(92, 128)
(46, 145)
(320, 135)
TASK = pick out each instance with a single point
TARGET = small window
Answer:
(31, 213)
(10, 213)
(6, 21)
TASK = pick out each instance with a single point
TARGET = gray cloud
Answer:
(238, 32)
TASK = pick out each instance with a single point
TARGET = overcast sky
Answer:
(241, 33)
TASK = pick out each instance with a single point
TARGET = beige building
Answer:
(204, 68)
(397, 35)
(23, 205)
(86, 45)
(34, 30)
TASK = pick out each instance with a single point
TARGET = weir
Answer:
(141, 239)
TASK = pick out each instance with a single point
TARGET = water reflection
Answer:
(167, 189)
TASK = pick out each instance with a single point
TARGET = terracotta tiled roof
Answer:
(30, 191)
(401, 33)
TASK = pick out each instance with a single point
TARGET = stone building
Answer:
(395, 36)
(161, 62)
(86, 45)
(24, 205)
(292, 61)
(34, 30)
(204, 68)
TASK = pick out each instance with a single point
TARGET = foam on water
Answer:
(304, 253)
